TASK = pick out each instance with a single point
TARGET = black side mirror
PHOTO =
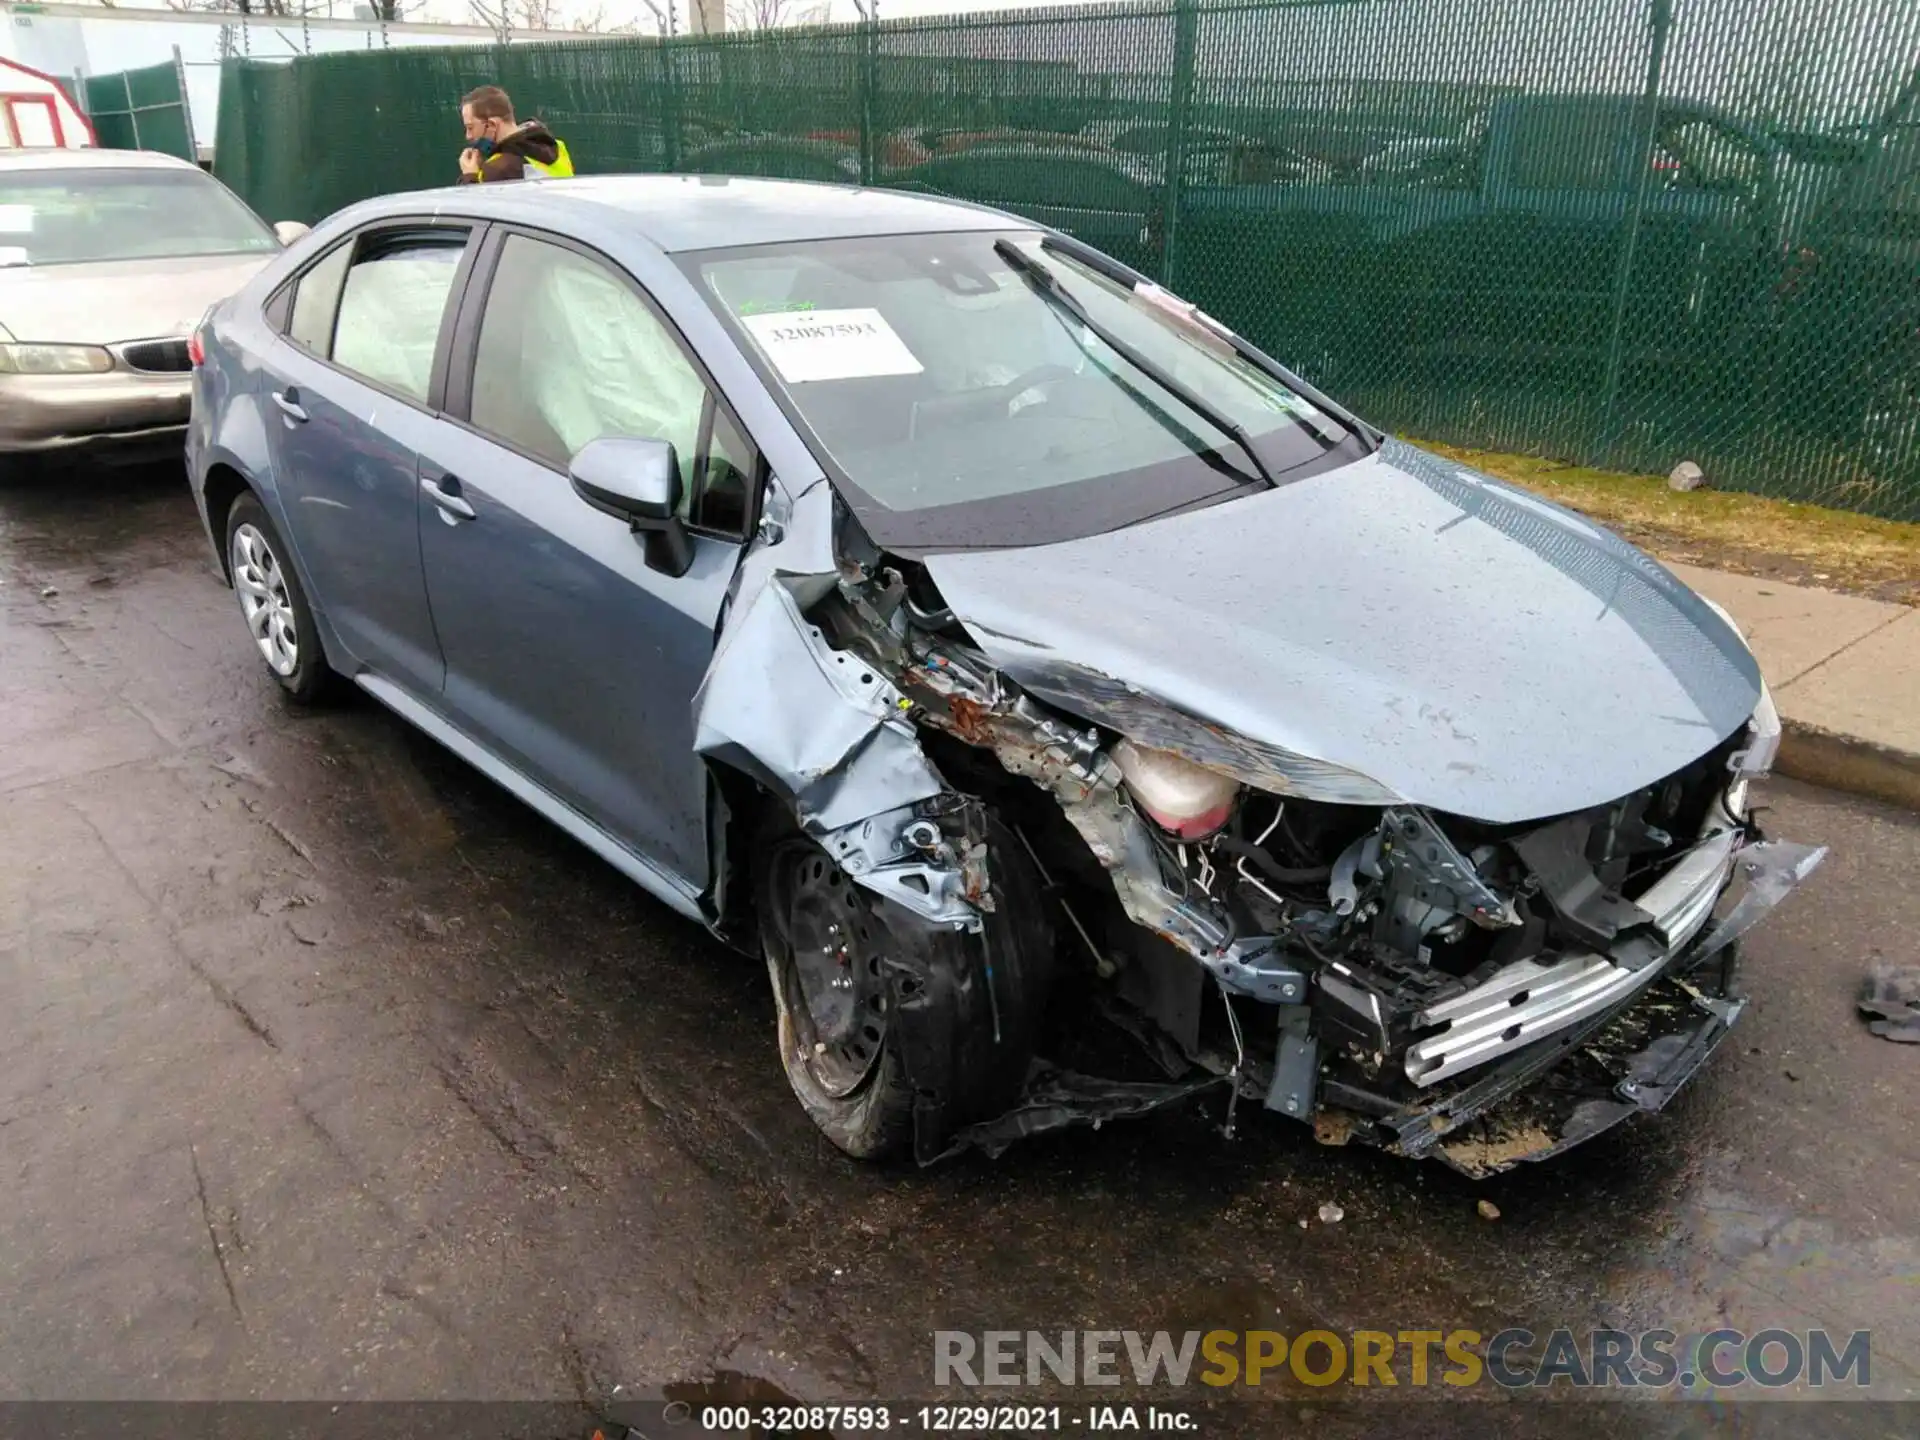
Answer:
(638, 481)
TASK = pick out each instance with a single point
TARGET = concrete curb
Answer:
(1847, 762)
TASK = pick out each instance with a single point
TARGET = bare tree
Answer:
(496, 17)
(666, 17)
(773, 14)
(595, 22)
(505, 16)
(389, 10)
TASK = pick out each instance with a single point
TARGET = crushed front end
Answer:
(1293, 935)
(1271, 927)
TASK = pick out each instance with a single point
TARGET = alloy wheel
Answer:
(264, 601)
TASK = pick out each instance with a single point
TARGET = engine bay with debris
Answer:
(1273, 929)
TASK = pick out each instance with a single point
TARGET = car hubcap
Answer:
(834, 974)
(264, 600)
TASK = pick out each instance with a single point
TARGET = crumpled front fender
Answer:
(826, 732)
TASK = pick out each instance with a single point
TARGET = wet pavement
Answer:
(331, 1072)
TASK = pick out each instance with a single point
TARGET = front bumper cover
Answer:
(53, 413)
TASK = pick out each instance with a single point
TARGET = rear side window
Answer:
(391, 308)
(316, 299)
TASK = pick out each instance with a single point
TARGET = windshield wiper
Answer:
(1047, 284)
(1319, 417)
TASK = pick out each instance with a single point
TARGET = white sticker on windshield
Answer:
(831, 345)
(16, 219)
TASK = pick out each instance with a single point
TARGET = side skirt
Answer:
(668, 889)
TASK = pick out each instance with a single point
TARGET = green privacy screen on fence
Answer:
(1622, 232)
(144, 109)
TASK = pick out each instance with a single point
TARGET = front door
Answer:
(564, 651)
(350, 393)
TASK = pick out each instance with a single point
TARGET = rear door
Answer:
(356, 381)
(565, 653)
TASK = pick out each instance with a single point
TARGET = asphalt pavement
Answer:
(330, 1072)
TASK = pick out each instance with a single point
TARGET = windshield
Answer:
(64, 217)
(961, 405)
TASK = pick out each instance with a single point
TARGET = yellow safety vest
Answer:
(560, 169)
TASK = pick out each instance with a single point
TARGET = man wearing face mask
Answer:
(500, 149)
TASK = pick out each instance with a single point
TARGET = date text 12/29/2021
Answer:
(941, 1419)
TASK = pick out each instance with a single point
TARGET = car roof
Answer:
(91, 159)
(706, 212)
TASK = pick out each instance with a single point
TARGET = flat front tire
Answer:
(825, 948)
(841, 959)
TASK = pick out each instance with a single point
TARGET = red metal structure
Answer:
(36, 113)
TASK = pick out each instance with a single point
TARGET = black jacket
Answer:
(532, 141)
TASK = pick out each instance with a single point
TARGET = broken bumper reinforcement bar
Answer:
(1528, 1000)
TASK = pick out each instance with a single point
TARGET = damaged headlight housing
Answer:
(1763, 730)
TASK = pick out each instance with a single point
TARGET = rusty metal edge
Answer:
(1848, 762)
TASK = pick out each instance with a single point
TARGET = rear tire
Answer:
(279, 617)
(834, 958)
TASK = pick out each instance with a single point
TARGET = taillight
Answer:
(196, 352)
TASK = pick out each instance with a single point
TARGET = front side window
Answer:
(391, 308)
(569, 353)
(938, 380)
(80, 216)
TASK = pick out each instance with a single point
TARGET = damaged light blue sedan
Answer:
(1016, 657)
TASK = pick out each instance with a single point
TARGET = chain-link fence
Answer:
(1622, 232)
(144, 109)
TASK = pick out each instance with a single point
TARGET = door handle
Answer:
(289, 402)
(445, 492)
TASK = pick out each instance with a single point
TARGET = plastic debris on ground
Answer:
(1890, 1001)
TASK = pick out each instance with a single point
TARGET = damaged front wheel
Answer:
(894, 1030)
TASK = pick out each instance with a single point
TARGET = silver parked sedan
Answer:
(1003, 648)
(108, 259)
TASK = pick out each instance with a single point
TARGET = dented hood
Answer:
(1398, 628)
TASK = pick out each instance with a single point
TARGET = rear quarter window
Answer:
(316, 300)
